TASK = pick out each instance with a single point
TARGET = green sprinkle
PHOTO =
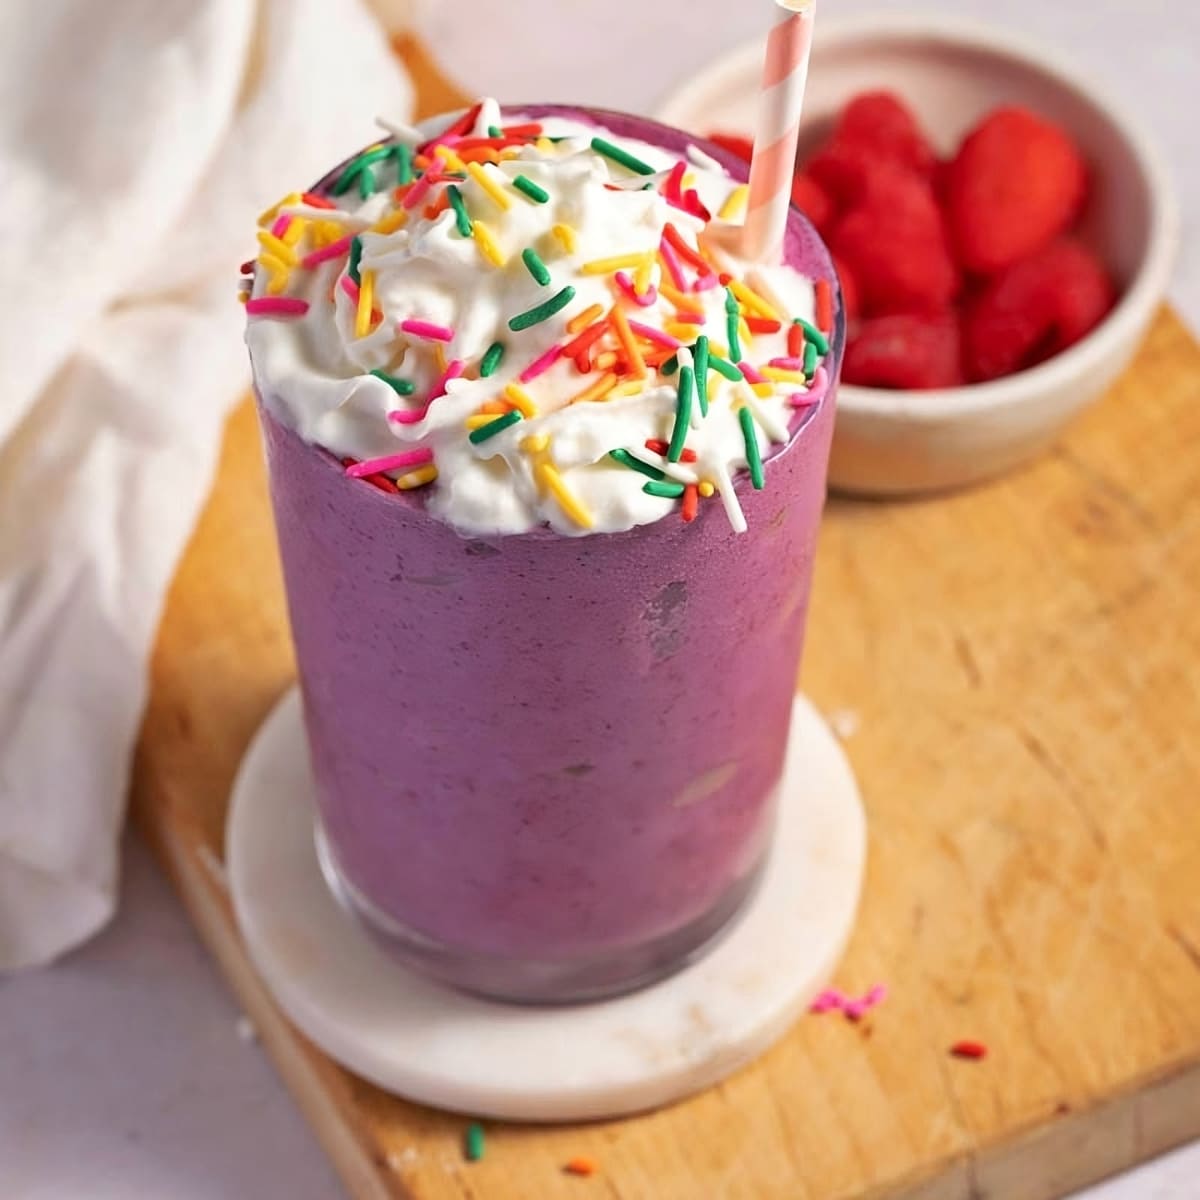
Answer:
(668, 490)
(499, 425)
(491, 360)
(622, 156)
(753, 457)
(366, 182)
(461, 218)
(495, 131)
(810, 359)
(543, 311)
(723, 366)
(404, 163)
(474, 1145)
(535, 266)
(670, 365)
(683, 414)
(355, 259)
(562, 137)
(732, 316)
(524, 184)
(356, 166)
(635, 464)
(814, 336)
(402, 387)
(700, 354)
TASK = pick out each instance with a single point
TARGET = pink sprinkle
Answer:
(408, 416)
(749, 373)
(674, 268)
(276, 306)
(540, 365)
(341, 246)
(704, 282)
(827, 1001)
(416, 193)
(281, 225)
(350, 288)
(787, 364)
(453, 371)
(816, 391)
(626, 286)
(427, 330)
(655, 335)
(688, 317)
(392, 462)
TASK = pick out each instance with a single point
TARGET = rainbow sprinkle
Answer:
(542, 312)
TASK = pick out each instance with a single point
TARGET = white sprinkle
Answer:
(701, 159)
(408, 134)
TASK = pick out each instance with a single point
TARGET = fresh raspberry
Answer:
(1016, 183)
(904, 351)
(735, 143)
(883, 123)
(895, 245)
(810, 198)
(841, 170)
(851, 304)
(1034, 310)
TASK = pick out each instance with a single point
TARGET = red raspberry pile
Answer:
(952, 272)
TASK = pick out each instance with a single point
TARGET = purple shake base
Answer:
(546, 765)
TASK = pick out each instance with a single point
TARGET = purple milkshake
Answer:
(547, 683)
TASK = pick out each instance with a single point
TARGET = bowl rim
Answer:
(1145, 289)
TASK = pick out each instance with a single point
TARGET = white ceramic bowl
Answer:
(951, 73)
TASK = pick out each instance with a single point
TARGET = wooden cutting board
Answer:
(1019, 661)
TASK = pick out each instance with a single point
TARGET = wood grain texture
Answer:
(1020, 662)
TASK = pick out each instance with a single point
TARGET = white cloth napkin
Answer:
(139, 139)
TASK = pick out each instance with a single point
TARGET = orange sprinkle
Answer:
(585, 318)
(691, 502)
(597, 390)
(585, 339)
(678, 298)
(481, 154)
(495, 406)
(625, 336)
(824, 298)
(581, 1165)
(583, 361)
(438, 206)
(686, 252)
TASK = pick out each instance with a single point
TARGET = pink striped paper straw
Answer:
(780, 103)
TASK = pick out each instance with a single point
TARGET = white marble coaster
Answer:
(440, 1047)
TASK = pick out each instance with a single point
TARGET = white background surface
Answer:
(122, 1074)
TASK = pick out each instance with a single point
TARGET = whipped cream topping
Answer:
(427, 327)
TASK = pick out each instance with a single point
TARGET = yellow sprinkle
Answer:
(366, 301)
(735, 203)
(783, 375)
(631, 387)
(641, 277)
(243, 297)
(390, 223)
(566, 237)
(606, 266)
(719, 349)
(449, 158)
(324, 232)
(509, 152)
(268, 218)
(486, 242)
(762, 390)
(520, 399)
(279, 248)
(478, 420)
(535, 443)
(489, 185)
(752, 300)
(439, 355)
(706, 489)
(417, 478)
(545, 145)
(685, 333)
(277, 273)
(688, 180)
(549, 475)
(596, 390)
